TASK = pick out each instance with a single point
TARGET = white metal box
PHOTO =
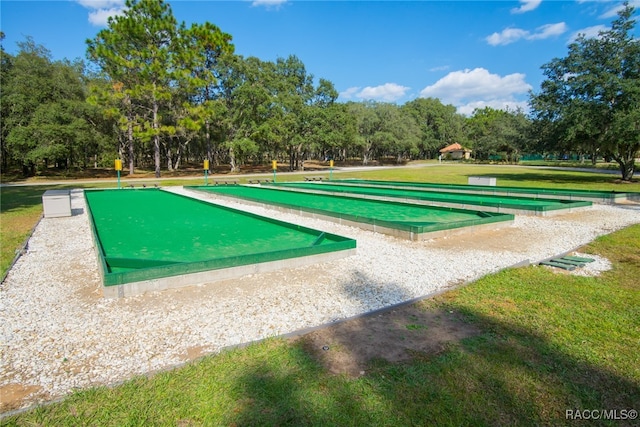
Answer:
(482, 180)
(56, 203)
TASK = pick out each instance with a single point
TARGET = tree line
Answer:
(159, 94)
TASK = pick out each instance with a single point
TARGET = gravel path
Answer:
(58, 333)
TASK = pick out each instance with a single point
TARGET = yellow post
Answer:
(206, 171)
(274, 165)
(330, 170)
(118, 166)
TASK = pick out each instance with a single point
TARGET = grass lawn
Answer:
(548, 343)
(510, 176)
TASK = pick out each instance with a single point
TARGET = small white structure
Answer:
(456, 152)
(482, 180)
(56, 203)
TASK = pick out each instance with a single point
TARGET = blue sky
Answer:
(469, 54)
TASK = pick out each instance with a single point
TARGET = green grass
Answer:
(548, 342)
(571, 164)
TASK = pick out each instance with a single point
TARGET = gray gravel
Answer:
(58, 334)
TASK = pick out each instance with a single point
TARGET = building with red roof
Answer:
(455, 152)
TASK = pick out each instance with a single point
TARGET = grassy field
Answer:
(548, 343)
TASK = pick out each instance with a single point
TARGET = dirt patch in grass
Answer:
(194, 353)
(11, 395)
(395, 335)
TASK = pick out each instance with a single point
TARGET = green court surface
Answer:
(400, 219)
(505, 204)
(548, 193)
(149, 234)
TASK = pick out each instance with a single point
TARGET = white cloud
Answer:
(527, 6)
(511, 35)
(589, 32)
(100, 17)
(269, 4)
(549, 30)
(388, 92)
(469, 89)
(469, 108)
(350, 92)
(101, 4)
(101, 10)
(507, 36)
(478, 82)
(613, 11)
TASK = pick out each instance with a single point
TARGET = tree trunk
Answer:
(179, 150)
(129, 116)
(130, 143)
(169, 160)
(3, 154)
(365, 156)
(232, 160)
(156, 136)
(627, 167)
(70, 156)
(299, 158)
(207, 137)
(291, 159)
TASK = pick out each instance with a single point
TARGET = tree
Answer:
(45, 117)
(6, 63)
(399, 134)
(207, 44)
(138, 53)
(591, 98)
(244, 106)
(334, 131)
(494, 132)
(25, 88)
(368, 127)
(440, 125)
(384, 129)
(293, 95)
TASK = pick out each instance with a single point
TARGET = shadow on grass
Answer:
(504, 376)
(393, 333)
(22, 197)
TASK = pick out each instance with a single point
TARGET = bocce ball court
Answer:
(150, 239)
(403, 220)
(595, 196)
(483, 202)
